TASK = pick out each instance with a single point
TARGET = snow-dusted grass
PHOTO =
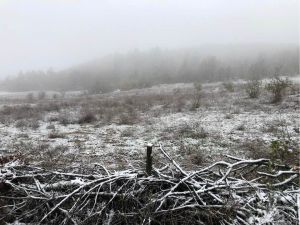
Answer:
(127, 120)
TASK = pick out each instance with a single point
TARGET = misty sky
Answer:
(38, 34)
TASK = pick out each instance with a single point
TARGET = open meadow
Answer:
(113, 129)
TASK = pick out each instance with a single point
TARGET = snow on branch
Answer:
(236, 191)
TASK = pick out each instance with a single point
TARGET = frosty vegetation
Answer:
(229, 154)
(236, 192)
(149, 112)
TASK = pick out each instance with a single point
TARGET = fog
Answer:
(149, 112)
(58, 34)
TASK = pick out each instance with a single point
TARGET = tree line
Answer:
(139, 69)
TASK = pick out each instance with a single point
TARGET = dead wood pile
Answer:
(235, 191)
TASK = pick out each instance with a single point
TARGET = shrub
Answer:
(30, 97)
(285, 151)
(21, 124)
(49, 106)
(62, 94)
(7, 110)
(197, 158)
(241, 127)
(193, 153)
(191, 131)
(228, 116)
(200, 133)
(87, 117)
(63, 119)
(128, 118)
(179, 104)
(274, 126)
(294, 89)
(197, 96)
(281, 150)
(55, 156)
(41, 95)
(253, 88)
(54, 134)
(255, 149)
(127, 132)
(55, 96)
(50, 127)
(19, 112)
(228, 86)
(277, 86)
(34, 124)
(176, 91)
(198, 86)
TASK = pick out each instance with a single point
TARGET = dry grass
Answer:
(145, 109)
(54, 135)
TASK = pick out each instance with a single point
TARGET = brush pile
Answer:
(235, 191)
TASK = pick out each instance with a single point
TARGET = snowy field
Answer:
(80, 130)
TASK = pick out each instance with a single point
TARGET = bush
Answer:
(54, 135)
(54, 156)
(241, 127)
(87, 117)
(19, 112)
(191, 131)
(21, 124)
(277, 86)
(229, 86)
(197, 158)
(127, 132)
(30, 97)
(228, 116)
(179, 105)
(50, 127)
(41, 95)
(285, 151)
(129, 118)
(197, 96)
(281, 150)
(34, 124)
(63, 119)
(198, 86)
(194, 154)
(253, 88)
(294, 89)
(255, 149)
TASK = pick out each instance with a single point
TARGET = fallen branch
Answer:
(225, 192)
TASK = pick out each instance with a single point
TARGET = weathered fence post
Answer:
(149, 160)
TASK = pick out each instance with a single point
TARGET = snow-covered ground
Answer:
(224, 123)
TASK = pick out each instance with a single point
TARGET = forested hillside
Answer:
(138, 69)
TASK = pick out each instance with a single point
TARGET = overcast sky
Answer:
(38, 34)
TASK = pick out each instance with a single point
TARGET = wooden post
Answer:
(149, 160)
